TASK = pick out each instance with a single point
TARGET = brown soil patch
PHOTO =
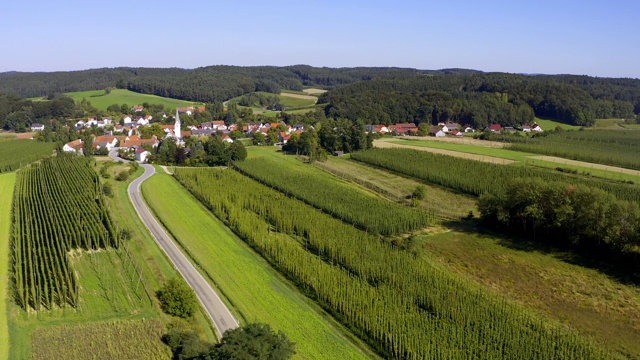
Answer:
(384, 143)
(298, 96)
(587, 165)
(462, 140)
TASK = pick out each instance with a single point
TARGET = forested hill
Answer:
(207, 84)
(482, 98)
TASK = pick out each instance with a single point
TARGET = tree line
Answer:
(481, 99)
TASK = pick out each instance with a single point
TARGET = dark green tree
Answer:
(255, 341)
(177, 298)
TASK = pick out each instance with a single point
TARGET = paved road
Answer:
(211, 302)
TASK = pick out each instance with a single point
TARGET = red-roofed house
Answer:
(73, 146)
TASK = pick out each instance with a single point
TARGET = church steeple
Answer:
(176, 128)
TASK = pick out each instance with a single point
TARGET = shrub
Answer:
(123, 175)
(177, 298)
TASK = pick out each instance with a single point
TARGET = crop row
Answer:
(17, 153)
(475, 177)
(370, 213)
(402, 305)
(58, 207)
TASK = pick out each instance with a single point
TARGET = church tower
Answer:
(176, 129)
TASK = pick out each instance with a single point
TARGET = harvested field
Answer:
(462, 140)
(298, 96)
(385, 143)
(314, 91)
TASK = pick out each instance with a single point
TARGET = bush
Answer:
(107, 190)
(420, 192)
(123, 175)
(177, 298)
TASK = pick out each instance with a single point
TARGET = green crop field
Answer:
(16, 153)
(7, 181)
(470, 149)
(121, 96)
(254, 289)
(546, 280)
(101, 340)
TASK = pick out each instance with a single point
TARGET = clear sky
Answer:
(598, 38)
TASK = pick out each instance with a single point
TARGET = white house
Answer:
(142, 154)
(142, 121)
(127, 119)
(226, 138)
(526, 128)
(37, 127)
(468, 129)
(444, 128)
(536, 127)
(92, 121)
(73, 146)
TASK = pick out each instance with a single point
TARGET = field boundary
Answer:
(7, 181)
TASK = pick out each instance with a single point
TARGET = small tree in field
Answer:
(253, 341)
(177, 298)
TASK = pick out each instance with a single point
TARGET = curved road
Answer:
(211, 302)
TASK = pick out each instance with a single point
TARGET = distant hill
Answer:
(206, 84)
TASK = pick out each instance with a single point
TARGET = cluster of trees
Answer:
(17, 113)
(251, 341)
(480, 99)
(331, 136)
(570, 214)
(209, 151)
(271, 102)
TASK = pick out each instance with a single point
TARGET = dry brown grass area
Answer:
(314, 91)
(386, 143)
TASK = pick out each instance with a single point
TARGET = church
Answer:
(175, 130)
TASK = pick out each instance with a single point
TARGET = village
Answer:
(125, 134)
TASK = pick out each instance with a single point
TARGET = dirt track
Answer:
(561, 161)
(314, 91)
(385, 143)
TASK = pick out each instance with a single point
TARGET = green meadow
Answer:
(256, 291)
(102, 101)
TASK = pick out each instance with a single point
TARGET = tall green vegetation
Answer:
(58, 208)
(617, 148)
(403, 306)
(16, 153)
(373, 214)
(577, 215)
(455, 173)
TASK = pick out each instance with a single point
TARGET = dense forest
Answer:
(373, 95)
(481, 99)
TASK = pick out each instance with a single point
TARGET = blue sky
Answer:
(598, 38)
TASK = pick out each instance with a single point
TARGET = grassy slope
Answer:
(256, 290)
(121, 96)
(550, 124)
(548, 281)
(7, 182)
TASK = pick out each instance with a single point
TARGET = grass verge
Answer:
(7, 182)
(257, 291)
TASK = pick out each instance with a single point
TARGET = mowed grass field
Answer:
(7, 182)
(550, 124)
(256, 291)
(549, 281)
(121, 96)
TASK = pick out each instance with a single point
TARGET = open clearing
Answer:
(314, 91)
(7, 182)
(548, 281)
(258, 292)
(298, 96)
(586, 165)
(122, 96)
(390, 143)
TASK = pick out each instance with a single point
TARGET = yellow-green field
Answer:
(121, 96)
(256, 291)
(550, 125)
(7, 182)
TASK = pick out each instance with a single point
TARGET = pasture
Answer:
(547, 125)
(102, 101)
(257, 292)
(7, 182)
